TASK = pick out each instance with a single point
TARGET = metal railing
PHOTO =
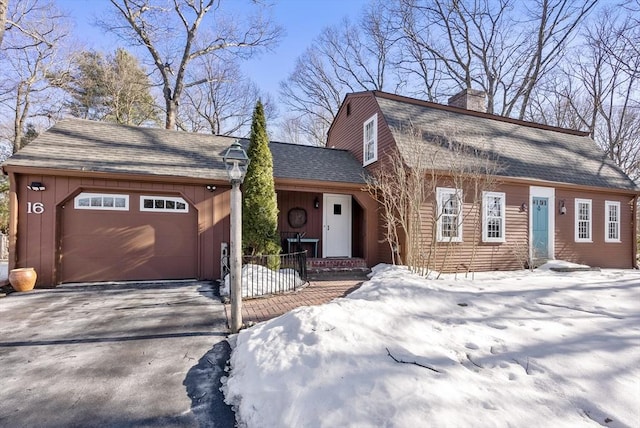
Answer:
(273, 274)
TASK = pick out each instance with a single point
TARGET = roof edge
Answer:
(402, 98)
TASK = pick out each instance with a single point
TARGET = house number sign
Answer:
(35, 207)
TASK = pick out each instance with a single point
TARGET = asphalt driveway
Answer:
(113, 355)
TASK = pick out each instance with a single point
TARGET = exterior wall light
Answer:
(36, 186)
(236, 162)
(210, 187)
(523, 207)
(563, 209)
(316, 203)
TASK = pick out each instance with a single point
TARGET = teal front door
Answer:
(540, 219)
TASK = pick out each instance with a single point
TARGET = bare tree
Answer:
(3, 18)
(29, 53)
(488, 45)
(171, 33)
(344, 58)
(407, 191)
(223, 103)
(597, 90)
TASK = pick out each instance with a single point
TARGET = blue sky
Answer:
(302, 20)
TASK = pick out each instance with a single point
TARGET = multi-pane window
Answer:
(583, 220)
(612, 221)
(493, 217)
(370, 140)
(100, 201)
(449, 208)
(163, 204)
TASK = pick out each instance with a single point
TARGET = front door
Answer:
(337, 226)
(540, 220)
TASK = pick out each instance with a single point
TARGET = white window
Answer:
(493, 216)
(101, 201)
(449, 209)
(583, 220)
(611, 221)
(370, 141)
(163, 204)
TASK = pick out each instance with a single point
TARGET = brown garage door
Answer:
(116, 237)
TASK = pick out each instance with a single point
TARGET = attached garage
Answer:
(96, 201)
(116, 203)
(132, 236)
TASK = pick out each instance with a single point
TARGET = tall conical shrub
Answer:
(259, 204)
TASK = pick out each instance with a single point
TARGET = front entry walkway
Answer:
(316, 293)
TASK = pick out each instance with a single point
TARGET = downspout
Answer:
(13, 221)
(634, 243)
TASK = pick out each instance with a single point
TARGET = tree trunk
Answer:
(172, 111)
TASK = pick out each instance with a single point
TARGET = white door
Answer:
(337, 226)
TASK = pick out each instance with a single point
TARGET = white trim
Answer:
(108, 198)
(501, 217)
(607, 222)
(175, 200)
(550, 193)
(447, 191)
(577, 220)
(374, 140)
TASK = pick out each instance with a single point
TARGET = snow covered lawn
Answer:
(507, 349)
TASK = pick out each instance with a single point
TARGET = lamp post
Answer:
(236, 162)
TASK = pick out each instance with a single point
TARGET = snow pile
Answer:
(506, 349)
(259, 280)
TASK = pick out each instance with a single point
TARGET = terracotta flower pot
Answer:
(23, 279)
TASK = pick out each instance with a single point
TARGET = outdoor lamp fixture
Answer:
(316, 203)
(563, 209)
(210, 187)
(523, 207)
(236, 162)
(36, 186)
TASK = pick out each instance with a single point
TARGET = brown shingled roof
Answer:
(84, 145)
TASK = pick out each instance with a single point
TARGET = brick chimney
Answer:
(470, 99)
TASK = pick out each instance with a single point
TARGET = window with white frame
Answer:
(370, 140)
(101, 201)
(493, 216)
(449, 209)
(163, 204)
(583, 220)
(611, 221)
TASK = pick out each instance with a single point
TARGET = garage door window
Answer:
(101, 201)
(163, 204)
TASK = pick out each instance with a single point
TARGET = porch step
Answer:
(336, 268)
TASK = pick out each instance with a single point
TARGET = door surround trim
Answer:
(543, 192)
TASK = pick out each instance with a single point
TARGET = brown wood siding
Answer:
(597, 253)
(38, 235)
(287, 201)
(347, 130)
(459, 256)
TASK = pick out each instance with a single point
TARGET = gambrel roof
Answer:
(84, 145)
(522, 149)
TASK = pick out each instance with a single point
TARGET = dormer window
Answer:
(370, 141)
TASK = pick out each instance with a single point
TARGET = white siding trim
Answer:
(608, 222)
(501, 218)
(440, 193)
(372, 140)
(588, 221)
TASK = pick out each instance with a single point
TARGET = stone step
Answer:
(336, 268)
(336, 263)
(337, 274)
